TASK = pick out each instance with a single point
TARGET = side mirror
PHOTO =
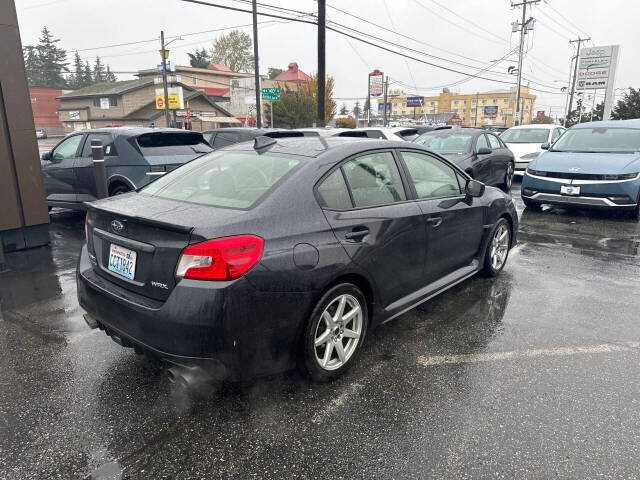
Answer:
(484, 151)
(545, 146)
(46, 157)
(474, 188)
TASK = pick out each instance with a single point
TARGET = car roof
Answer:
(315, 147)
(540, 126)
(451, 131)
(133, 131)
(633, 123)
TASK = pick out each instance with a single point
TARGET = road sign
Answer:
(160, 67)
(175, 98)
(271, 94)
(596, 67)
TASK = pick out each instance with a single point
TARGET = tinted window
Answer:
(431, 177)
(481, 143)
(374, 134)
(333, 192)
(209, 136)
(374, 180)
(107, 144)
(493, 141)
(599, 139)
(446, 141)
(68, 148)
(556, 133)
(224, 139)
(223, 179)
(168, 143)
(525, 135)
(355, 133)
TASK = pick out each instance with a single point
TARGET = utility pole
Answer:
(256, 64)
(322, 9)
(163, 52)
(575, 72)
(385, 87)
(523, 28)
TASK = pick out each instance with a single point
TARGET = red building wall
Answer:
(45, 108)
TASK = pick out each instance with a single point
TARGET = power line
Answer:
(566, 19)
(470, 22)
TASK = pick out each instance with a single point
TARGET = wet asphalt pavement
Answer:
(534, 374)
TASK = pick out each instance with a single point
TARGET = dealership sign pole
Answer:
(375, 89)
(597, 70)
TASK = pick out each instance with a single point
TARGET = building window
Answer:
(484, 101)
(433, 103)
(194, 80)
(473, 110)
(113, 101)
(506, 100)
(495, 100)
(96, 102)
(455, 102)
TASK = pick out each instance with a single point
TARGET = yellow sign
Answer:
(174, 101)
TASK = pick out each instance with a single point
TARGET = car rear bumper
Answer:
(612, 194)
(227, 327)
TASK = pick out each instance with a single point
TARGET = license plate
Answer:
(122, 261)
(569, 190)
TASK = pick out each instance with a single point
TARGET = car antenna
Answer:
(263, 142)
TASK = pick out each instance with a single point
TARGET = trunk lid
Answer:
(156, 229)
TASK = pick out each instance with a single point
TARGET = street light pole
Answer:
(256, 64)
(163, 52)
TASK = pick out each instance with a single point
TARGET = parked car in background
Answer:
(479, 153)
(222, 137)
(594, 164)
(133, 158)
(188, 267)
(525, 140)
(412, 132)
(41, 133)
(370, 132)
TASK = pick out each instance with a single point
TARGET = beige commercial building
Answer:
(473, 109)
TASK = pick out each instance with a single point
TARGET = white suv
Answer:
(525, 140)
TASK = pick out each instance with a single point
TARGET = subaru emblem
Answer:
(575, 169)
(117, 226)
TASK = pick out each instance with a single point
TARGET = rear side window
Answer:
(334, 193)
(224, 139)
(482, 142)
(354, 133)
(169, 143)
(107, 144)
(223, 179)
(374, 180)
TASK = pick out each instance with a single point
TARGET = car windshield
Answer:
(599, 139)
(446, 142)
(525, 135)
(223, 179)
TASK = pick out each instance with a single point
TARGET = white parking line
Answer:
(539, 352)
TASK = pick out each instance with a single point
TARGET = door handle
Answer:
(356, 234)
(435, 221)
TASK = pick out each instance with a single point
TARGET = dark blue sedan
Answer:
(595, 164)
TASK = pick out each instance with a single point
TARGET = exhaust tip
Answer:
(91, 322)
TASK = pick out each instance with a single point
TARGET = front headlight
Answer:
(531, 171)
(622, 176)
(530, 156)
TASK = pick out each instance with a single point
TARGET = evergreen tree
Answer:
(343, 110)
(52, 60)
(628, 107)
(87, 75)
(199, 59)
(76, 79)
(99, 73)
(357, 110)
(32, 65)
(110, 76)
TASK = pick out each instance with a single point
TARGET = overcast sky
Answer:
(466, 34)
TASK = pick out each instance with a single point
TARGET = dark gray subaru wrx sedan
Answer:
(267, 254)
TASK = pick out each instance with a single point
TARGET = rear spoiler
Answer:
(143, 220)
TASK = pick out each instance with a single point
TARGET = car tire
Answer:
(508, 178)
(321, 359)
(119, 190)
(531, 204)
(498, 247)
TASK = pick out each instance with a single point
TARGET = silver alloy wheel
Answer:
(338, 332)
(509, 177)
(499, 247)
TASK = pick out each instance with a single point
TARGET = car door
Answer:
(60, 179)
(481, 164)
(500, 158)
(85, 179)
(381, 231)
(454, 228)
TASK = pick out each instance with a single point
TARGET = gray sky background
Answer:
(470, 32)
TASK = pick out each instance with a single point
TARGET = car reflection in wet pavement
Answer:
(531, 374)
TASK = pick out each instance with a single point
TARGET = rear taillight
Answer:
(220, 259)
